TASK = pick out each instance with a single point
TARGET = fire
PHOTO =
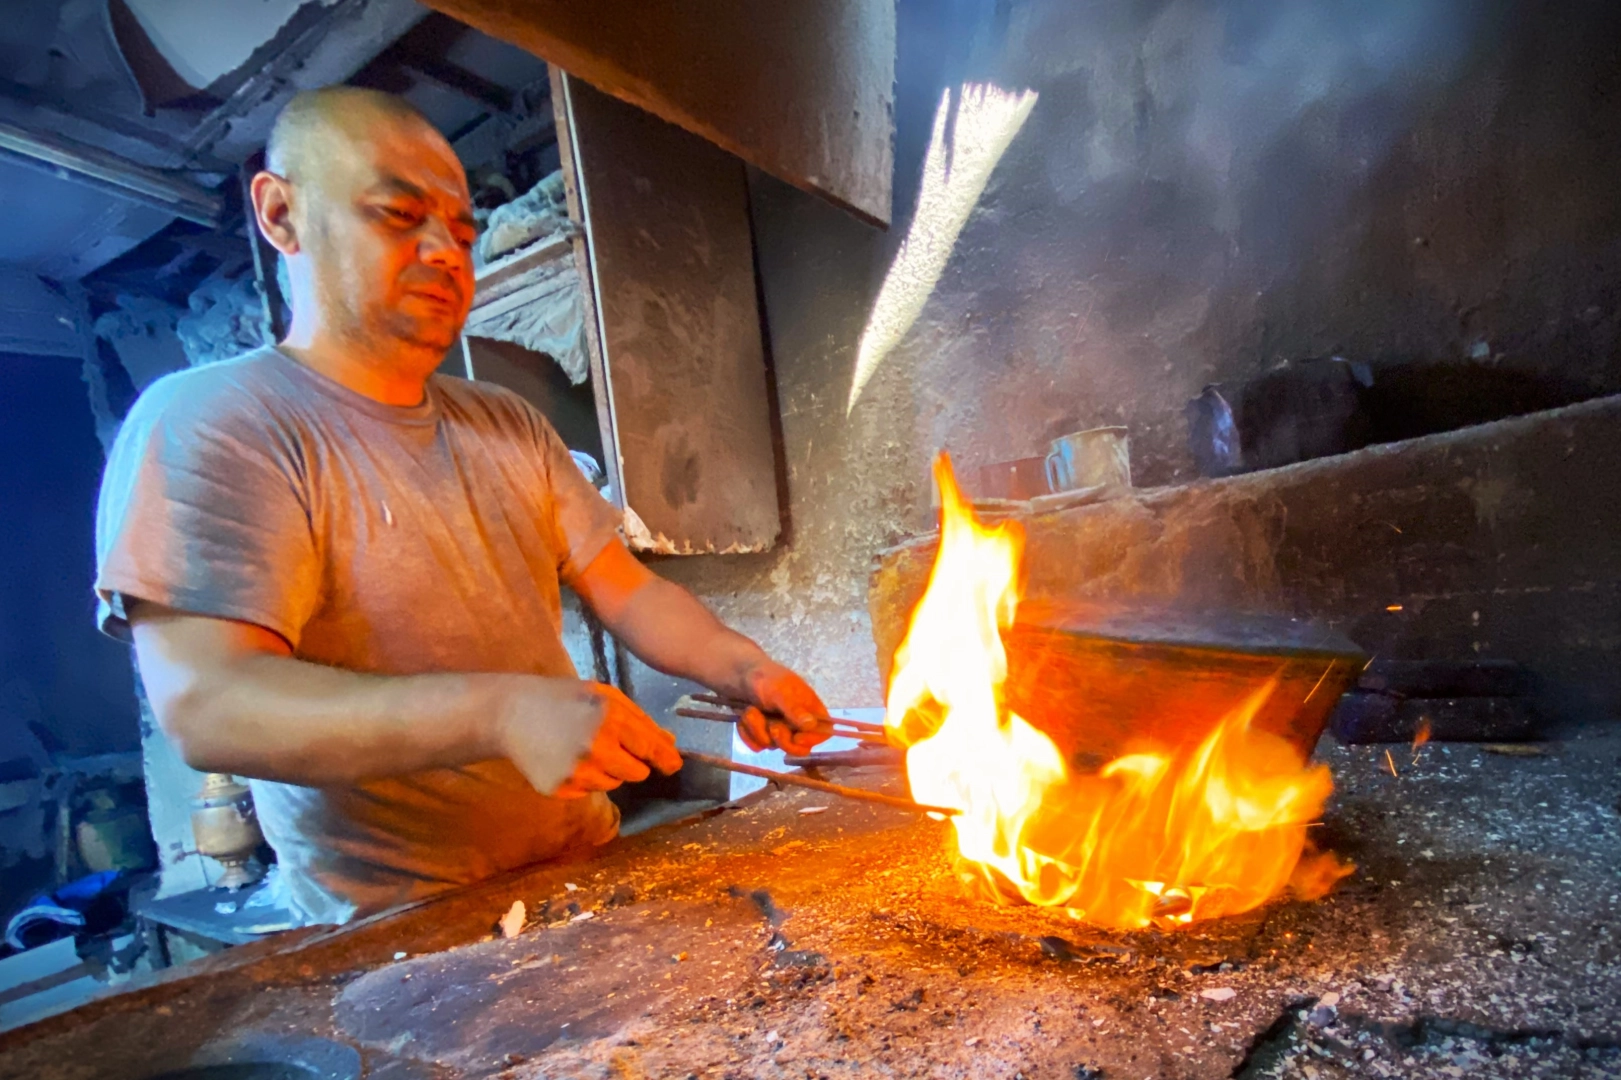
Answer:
(1152, 836)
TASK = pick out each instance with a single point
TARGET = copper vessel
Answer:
(227, 829)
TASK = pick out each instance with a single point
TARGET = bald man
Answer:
(341, 571)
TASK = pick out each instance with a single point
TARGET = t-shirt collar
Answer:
(424, 412)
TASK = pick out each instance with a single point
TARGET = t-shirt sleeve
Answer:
(583, 520)
(202, 509)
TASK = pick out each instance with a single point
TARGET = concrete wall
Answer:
(1203, 189)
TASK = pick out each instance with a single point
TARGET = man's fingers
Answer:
(807, 715)
(591, 777)
(795, 742)
(643, 738)
(612, 758)
(792, 696)
(804, 742)
(588, 777)
(639, 734)
(659, 751)
(751, 726)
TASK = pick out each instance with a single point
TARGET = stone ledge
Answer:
(1502, 540)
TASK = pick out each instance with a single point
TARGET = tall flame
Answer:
(1151, 837)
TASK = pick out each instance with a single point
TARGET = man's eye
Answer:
(399, 216)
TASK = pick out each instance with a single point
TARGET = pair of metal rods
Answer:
(738, 705)
(797, 780)
(860, 730)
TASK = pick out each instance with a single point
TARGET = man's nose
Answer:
(439, 247)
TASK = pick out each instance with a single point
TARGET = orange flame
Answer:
(1151, 837)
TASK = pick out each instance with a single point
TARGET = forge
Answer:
(1132, 770)
(795, 936)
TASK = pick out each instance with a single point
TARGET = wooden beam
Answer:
(461, 82)
(171, 192)
(805, 91)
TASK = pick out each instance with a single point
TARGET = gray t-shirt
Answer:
(374, 538)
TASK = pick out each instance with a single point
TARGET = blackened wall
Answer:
(60, 679)
(1205, 188)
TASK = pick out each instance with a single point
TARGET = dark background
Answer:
(57, 672)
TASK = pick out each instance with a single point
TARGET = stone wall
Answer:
(1204, 188)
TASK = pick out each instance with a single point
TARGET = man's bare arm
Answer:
(234, 699)
(673, 632)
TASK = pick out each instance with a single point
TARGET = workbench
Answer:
(775, 939)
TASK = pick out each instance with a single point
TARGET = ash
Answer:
(1478, 938)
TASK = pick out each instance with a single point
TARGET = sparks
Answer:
(1421, 736)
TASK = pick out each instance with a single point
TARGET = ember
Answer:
(1155, 836)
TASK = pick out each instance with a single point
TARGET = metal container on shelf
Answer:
(227, 828)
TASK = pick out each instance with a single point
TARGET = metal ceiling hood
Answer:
(137, 183)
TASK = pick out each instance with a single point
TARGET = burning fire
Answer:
(1151, 837)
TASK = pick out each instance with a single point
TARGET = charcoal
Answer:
(1058, 948)
(761, 899)
(909, 1003)
(1322, 1016)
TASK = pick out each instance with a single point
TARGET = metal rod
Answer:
(739, 705)
(819, 785)
(832, 759)
(151, 187)
(732, 718)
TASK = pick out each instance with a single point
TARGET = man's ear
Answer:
(273, 210)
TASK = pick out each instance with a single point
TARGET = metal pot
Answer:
(227, 828)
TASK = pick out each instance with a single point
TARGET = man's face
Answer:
(388, 229)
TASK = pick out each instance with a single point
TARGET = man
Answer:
(340, 570)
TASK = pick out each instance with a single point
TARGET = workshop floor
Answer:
(1480, 937)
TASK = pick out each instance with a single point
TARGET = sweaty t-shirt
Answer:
(376, 538)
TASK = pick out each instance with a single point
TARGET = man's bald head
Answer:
(318, 125)
(368, 205)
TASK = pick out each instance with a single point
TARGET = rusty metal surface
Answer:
(672, 268)
(804, 91)
(1103, 682)
(1478, 938)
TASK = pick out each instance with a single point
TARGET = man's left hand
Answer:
(799, 719)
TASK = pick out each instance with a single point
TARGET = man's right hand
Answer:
(570, 738)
